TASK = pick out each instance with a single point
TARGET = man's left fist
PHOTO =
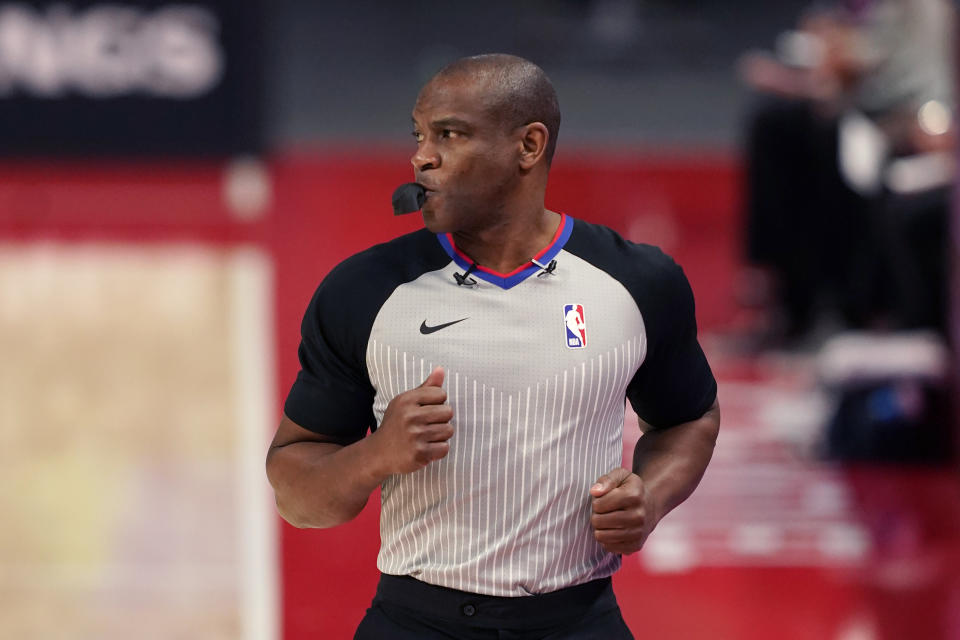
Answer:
(621, 520)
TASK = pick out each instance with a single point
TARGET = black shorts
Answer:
(407, 609)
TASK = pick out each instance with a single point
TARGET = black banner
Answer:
(130, 77)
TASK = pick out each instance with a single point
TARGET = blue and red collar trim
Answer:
(518, 275)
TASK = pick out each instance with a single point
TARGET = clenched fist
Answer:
(621, 518)
(416, 427)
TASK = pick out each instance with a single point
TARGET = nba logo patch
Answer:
(575, 326)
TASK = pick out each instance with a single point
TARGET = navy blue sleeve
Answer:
(674, 384)
(332, 394)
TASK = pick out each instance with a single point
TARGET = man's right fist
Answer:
(416, 427)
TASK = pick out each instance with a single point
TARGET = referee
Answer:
(489, 356)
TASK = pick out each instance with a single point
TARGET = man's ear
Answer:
(534, 138)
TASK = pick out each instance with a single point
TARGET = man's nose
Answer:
(426, 157)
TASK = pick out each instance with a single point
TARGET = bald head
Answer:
(516, 91)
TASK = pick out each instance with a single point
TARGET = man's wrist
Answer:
(373, 461)
(652, 505)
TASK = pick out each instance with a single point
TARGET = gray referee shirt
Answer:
(537, 371)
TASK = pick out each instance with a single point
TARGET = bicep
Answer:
(289, 432)
(287, 454)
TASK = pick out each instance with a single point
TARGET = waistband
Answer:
(522, 612)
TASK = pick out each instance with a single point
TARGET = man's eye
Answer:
(447, 133)
(418, 136)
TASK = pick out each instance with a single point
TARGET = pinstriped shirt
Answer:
(538, 369)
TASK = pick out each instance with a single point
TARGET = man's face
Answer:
(465, 158)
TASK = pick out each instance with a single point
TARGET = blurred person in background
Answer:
(848, 165)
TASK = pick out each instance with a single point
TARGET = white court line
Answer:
(251, 324)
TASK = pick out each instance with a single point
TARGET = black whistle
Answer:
(408, 198)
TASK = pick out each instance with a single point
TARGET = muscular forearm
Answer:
(319, 484)
(671, 461)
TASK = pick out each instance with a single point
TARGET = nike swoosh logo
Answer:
(425, 330)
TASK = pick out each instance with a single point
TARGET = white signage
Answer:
(109, 50)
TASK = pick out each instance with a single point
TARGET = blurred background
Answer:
(176, 178)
